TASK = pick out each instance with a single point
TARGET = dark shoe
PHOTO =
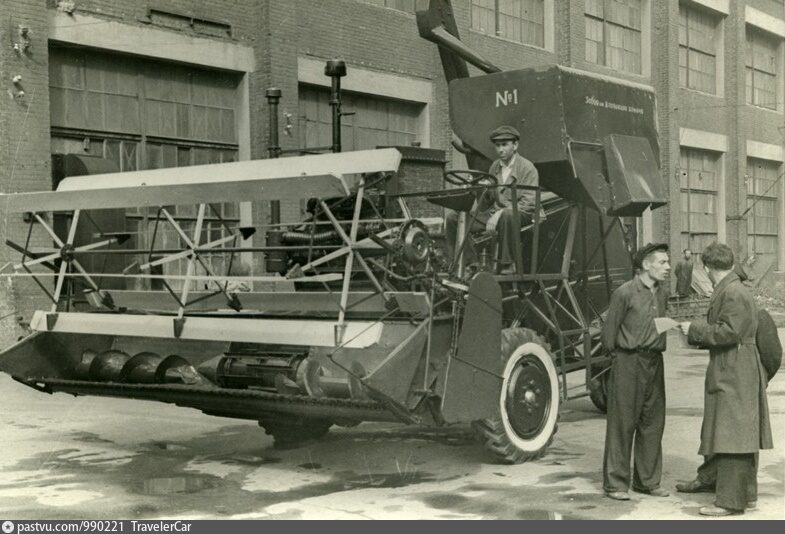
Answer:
(752, 505)
(656, 492)
(618, 495)
(718, 511)
(696, 486)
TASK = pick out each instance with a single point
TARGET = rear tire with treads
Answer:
(528, 407)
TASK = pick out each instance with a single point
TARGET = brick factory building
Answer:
(161, 83)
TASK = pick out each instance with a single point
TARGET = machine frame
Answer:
(375, 324)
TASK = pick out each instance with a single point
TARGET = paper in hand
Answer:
(663, 324)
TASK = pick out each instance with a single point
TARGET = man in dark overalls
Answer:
(636, 387)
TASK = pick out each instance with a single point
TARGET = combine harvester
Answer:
(361, 317)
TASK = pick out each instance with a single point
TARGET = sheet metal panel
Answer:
(360, 334)
(322, 175)
(304, 302)
(477, 366)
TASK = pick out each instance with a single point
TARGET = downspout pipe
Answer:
(335, 69)
(273, 95)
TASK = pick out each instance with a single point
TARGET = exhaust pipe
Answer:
(273, 95)
(335, 69)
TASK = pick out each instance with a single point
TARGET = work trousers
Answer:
(508, 232)
(475, 222)
(707, 474)
(635, 422)
(735, 474)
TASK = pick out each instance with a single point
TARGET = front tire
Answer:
(528, 408)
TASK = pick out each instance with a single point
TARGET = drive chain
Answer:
(85, 386)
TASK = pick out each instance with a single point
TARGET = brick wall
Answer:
(24, 145)
(664, 70)
(774, 8)
(730, 116)
(734, 100)
(381, 39)
(506, 54)
(361, 34)
(681, 108)
(25, 124)
(239, 14)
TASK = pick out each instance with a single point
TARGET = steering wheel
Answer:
(469, 178)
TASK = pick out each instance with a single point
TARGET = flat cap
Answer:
(647, 249)
(505, 132)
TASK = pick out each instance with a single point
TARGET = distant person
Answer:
(636, 386)
(683, 271)
(493, 211)
(735, 414)
(701, 284)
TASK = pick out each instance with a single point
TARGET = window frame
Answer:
(498, 14)
(755, 35)
(358, 124)
(386, 4)
(755, 196)
(716, 54)
(690, 190)
(605, 22)
(100, 137)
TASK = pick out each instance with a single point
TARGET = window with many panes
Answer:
(408, 6)
(761, 69)
(613, 33)
(762, 178)
(699, 177)
(376, 121)
(698, 35)
(145, 114)
(518, 20)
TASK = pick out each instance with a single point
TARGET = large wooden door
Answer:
(146, 114)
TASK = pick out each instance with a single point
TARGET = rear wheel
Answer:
(598, 388)
(528, 406)
(293, 431)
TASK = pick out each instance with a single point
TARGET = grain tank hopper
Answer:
(360, 315)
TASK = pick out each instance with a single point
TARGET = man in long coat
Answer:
(736, 414)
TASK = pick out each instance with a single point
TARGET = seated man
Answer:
(495, 213)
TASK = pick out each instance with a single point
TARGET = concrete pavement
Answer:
(66, 457)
